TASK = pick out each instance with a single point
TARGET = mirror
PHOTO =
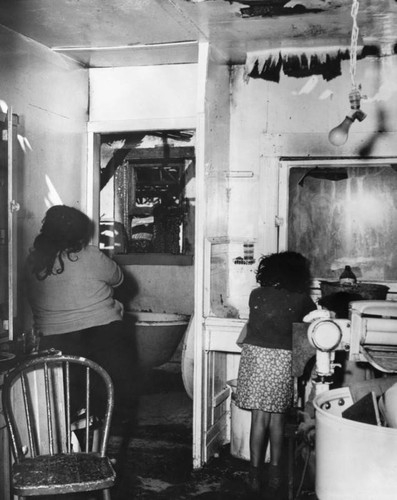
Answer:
(147, 192)
(345, 215)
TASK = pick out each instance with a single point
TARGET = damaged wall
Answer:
(217, 137)
(149, 98)
(293, 118)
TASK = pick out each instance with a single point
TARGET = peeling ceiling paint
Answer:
(274, 8)
(106, 33)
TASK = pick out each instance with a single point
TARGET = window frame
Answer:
(286, 164)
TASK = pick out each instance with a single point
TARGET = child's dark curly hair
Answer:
(288, 270)
(65, 231)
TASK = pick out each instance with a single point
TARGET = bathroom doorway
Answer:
(146, 221)
(141, 189)
(146, 209)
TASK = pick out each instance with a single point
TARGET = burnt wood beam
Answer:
(111, 166)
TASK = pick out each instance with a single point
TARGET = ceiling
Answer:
(109, 33)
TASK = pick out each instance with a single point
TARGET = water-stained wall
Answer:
(292, 118)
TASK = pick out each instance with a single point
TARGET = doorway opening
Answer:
(147, 206)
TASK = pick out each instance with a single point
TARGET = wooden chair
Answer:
(37, 401)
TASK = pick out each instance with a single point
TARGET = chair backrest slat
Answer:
(87, 407)
(48, 398)
(28, 416)
(67, 402)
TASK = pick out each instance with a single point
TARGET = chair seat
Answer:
(62, 473)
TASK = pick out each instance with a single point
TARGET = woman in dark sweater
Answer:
(265, 384)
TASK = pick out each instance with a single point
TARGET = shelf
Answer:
(153, 259)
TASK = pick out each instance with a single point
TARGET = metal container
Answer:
(368, 291)
(156, 335)
(354, 461)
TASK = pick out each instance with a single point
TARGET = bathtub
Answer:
(156, 335)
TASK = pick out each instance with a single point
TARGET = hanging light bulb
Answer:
(338, 135)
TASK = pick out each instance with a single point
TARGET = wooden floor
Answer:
(153, 452)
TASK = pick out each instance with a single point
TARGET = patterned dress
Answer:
(264, 379)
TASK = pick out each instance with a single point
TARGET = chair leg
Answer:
(291, 465)
(106, 494)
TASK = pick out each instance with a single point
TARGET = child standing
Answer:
(265, 384)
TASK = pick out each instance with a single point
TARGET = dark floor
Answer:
(154, 454)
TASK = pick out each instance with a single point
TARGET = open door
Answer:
(8, 265)
(8, 233)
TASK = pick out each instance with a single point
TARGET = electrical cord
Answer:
(305, 465)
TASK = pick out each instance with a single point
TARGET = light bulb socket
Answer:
(355, 98)
(358, 115)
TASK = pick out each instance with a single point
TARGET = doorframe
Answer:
(196, 122)
(12, 121)
(199, 255)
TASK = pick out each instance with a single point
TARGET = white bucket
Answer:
(240, 429)
(240, 432)
(354, 461)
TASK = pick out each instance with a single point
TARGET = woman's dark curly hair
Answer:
(288, 270)
(64, 231)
